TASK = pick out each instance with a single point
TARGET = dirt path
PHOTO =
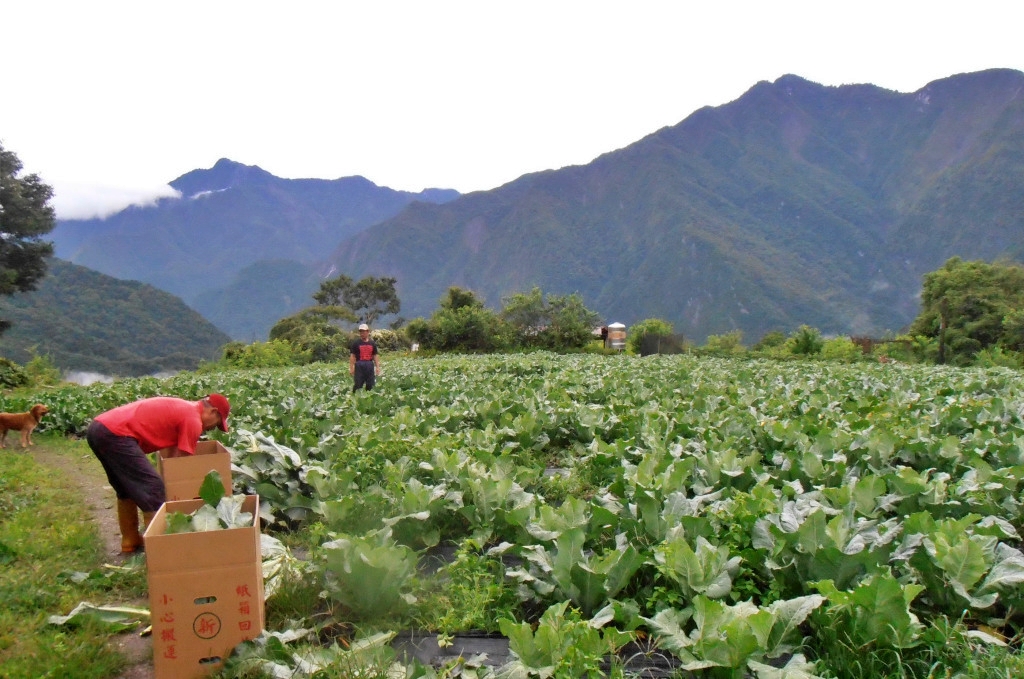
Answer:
(84, 471)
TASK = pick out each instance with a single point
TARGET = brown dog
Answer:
(23, 422)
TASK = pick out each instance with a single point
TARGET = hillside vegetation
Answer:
(796, 203)
(84, 320)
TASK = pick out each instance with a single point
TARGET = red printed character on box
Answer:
(165, 631)
(244, 624)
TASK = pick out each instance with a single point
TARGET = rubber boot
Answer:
(128, 520)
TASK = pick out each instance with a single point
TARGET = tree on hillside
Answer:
(368, 299)
(25, 216)
(971, 306)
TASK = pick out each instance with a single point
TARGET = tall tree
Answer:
(369, 298)
(25, 216)
(970, 306)
(461, 323)
(458, 298)
(557, 322)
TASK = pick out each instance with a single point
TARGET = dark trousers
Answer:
(129, 471)
(364, 375)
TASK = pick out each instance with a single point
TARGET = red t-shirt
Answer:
(158, 422)
(364, 351)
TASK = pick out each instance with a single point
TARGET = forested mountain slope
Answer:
(85, 320)
(796, 203)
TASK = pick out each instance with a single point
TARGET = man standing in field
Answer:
(121, 438)
(363, 360)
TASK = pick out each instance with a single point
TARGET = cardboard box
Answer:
(205, 592)
(184, 475)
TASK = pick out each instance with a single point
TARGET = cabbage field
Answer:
(735, 517)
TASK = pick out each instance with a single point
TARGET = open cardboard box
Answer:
(205, 591)
(184, 475)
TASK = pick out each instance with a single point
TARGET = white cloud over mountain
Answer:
(73, 200)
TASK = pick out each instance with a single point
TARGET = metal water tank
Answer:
(617, 336)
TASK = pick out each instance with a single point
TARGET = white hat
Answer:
(364, 326)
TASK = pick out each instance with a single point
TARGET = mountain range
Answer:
(225, 243)
(795, 204)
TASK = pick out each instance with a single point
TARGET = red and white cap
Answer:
(221, 405)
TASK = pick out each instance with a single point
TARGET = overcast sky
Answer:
(108, 101)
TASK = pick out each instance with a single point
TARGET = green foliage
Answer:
(46, 572)
(368, 299)
(645, 331)
(713, 634)
(948, 650)
(563, 645)
(570, 323)
(769, 341)
(805, 341)
(11, 374)
(468, 593)
(903, 348)
(998, 357)
(368, 656)
(557, 322)
(734, 483)
(875, 614)
(728, 344)
(525, 312)
(841, 349)
(561, 565)
(1013, 330)
(273, 354)
(216, 513)
(388, 340)
(42, 372)
(971, 306)
(369, 575)
(420, 331)
(25, 216)
(457, 298)
(461, 323)
(315, 330)
(466, 329)
(83, 320)
(706, 570)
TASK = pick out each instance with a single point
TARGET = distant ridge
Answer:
(796, 203)
(228, 218)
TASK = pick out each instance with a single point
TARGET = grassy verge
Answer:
(48, 545)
